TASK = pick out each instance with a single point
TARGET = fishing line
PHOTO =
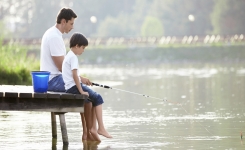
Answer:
(147, 96)
(197, 122)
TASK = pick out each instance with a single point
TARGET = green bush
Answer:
(16, 65)
(152, 26)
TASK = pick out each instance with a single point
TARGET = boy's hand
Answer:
(85, 93)
(85, 81)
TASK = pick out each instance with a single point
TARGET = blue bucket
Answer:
(40, 81)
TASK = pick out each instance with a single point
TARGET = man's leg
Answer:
(93, 129)
(84, 136)
(89, 121)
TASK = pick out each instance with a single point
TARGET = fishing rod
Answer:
(108, 87)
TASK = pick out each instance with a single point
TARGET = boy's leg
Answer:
(101, 129)
(86, 118)
(97, 104)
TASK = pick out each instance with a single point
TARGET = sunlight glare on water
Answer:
(204, 110)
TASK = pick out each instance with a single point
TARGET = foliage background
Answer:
(16, 65)
(30, 19)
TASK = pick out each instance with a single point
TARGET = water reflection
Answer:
(54, 143)
(205, 110)
(87, 145)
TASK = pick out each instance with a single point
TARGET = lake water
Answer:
(204, 110)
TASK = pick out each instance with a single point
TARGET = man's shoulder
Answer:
(51, 33)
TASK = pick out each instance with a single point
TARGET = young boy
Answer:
(70, 73)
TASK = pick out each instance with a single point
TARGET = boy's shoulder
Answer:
(70, 55)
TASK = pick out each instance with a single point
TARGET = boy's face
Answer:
(68, 26)
(81, 50)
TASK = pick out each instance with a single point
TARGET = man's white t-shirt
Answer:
(70, 62)
(52, 45)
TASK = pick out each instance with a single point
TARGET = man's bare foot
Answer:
(87, 137)
(84, 137)
(104, 133)
(90, 137)
(95, 135)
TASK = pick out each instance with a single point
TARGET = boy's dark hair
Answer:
(65, 13)
(78, 39)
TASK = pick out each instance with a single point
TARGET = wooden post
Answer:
(54, 143)
(63, 129)
(53, 125)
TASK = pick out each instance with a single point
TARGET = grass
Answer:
(16, 65)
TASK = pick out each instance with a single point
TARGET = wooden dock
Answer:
(22, 98)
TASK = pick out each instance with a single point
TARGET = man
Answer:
(53, 51)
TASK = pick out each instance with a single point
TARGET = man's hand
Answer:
(85, 81)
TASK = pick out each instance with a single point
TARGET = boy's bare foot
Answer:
(104, 133)
(95, 135)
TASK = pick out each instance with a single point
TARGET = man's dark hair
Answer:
(65, 13)
(78, 39)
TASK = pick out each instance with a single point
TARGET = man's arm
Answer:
(58, 60)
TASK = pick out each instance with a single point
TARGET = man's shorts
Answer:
(56, 84)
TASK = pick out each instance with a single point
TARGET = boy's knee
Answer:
(98, 100)
(99, 96)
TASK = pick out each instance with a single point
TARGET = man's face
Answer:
(68, 26)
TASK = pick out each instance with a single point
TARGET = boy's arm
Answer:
(77, 81)
(85, 81)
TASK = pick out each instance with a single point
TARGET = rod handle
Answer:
(104, 86)
(95, 84)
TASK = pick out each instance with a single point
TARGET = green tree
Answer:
(105, 11)
(13, 14)
(174, 15)
(152, 26)
(228, 17)
(118, 26)
(125, 23)
(43, 16)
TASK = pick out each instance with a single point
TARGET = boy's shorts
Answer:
(94, 97)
